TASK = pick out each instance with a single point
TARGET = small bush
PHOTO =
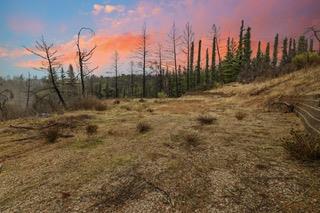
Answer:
(303, 146)
(162, 95)
(206, 119)
(150, 110)
(91, 129)
(116, 102)
(192, 138)
(240, 115)
(100, 107)
(51, 135)
(306, 59)
(88, 104)
(141, 100)
(143, 127)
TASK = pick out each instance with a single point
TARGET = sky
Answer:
(118, 23)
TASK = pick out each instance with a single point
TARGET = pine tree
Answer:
(213, 60)
(267, 58)
(294, 48)
(247, 49)
(230, 65)
(290, 50)
(284, 59)
(207, 68)
(259, 52)
(302, 45)
(240, 46)
(198, 68)
(191, 65)
(275, 51)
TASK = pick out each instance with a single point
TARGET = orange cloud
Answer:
(106, 45)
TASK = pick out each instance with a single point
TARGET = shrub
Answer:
(303, 146)
(150, 110)
(143, 127)
(91, 129)
(240, 115)
(115, 102)
(89, 103)
(192, 138)
(206, 119)
(162, 95)
(306, 59)
(51, 135)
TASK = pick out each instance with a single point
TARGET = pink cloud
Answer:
(108, 8)
(26, 25)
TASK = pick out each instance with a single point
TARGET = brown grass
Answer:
(143, 127)
(206, 119)
(191, 138)
(303, 146)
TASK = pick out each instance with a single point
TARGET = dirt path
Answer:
(238, 166)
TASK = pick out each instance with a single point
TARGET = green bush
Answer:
(306, 59)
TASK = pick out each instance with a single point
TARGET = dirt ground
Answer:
(238, 165)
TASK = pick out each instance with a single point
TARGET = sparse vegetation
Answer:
(143, 127)
(91, 129)
(303, 146)
(206, 119)
(240, 115)
(191, 138)
(89, 103)
(51, 135)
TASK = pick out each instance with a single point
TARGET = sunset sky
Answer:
(117, 24)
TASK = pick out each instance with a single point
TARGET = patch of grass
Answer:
(143, 127)
(126, 107)
(150, 110)
(191, 138)
(303, 146)
(240, 115)
(100, 107)
(91, 129)
(206, 119)
(51, 135)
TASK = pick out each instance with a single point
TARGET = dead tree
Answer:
(174, 39)
(5, 96)
(160, 68)
(131, 78)
(28, 84)
(84, 57)
(188, 38)
(49, 63)
(216, 35)
(315, 33)
(141, 52)
(115, 67)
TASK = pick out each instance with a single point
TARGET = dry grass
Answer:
(228, 168)
(303, 146)
(143, 127)
(206, 119)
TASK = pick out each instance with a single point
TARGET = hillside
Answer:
(235, 164)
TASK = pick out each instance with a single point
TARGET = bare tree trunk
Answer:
(28, 91)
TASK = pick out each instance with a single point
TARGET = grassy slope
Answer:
(239, 165)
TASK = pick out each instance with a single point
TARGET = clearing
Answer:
(235, 164)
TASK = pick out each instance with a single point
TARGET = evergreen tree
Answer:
(207, 67)
(284, 59)
(213, 60)
(198, 68)
(191, 64)
(247, 49)
(294, 48)
(230, 65)
(290, 50)
(275, 51)
(240, 50)
(302, 45)
(267, 58)
(259, 52)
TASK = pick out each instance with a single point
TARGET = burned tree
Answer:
(49, 63)
(84, 57)
(188, 37)
(115, 68)
(142, 53)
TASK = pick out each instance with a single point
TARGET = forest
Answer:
(183, 66)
